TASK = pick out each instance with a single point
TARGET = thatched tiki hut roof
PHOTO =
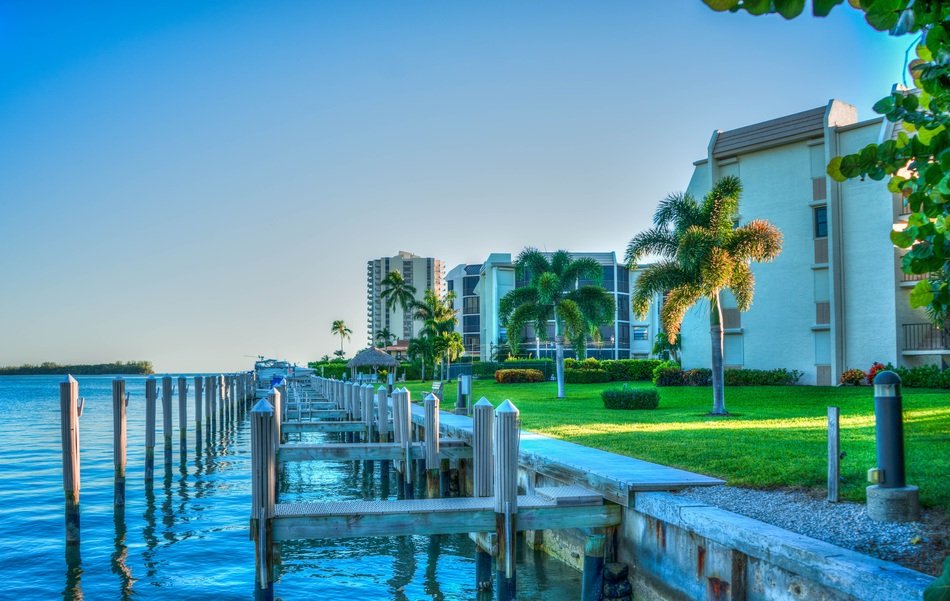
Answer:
(371, 357)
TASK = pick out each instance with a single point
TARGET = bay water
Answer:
(186, 536)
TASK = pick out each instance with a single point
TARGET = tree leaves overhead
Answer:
(916, 163)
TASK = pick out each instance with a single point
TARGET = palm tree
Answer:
(703, 252)
(384, 337)
(397, 292)
(553, 293)
(438, 320)
(339, 329)
(451, 347)
(423, 349)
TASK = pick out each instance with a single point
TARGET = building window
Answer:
(623, 337)
(470, 305)
(468, 285)
(451, 285)
(640, 333)
(623, 307)
(821, 222)
(470, 323)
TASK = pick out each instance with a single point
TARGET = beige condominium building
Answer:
(423, 273)
(835, 298)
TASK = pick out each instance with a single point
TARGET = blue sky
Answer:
(197, 182)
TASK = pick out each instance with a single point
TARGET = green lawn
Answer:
(776, 437)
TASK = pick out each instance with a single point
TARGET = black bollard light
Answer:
(889, 426)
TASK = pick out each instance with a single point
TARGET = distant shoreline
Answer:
(95, 369)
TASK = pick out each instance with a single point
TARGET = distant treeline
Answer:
(48, 368)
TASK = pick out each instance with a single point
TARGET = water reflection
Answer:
(120, 555)
(73, 589)
(148, 534)
(404, 566)
(431, 583)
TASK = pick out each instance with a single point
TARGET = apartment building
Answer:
(480, 288)
(424, 273)
(835, 298)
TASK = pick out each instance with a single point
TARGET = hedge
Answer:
(671, 374)
(631, 398)
(585, 376)
(620, 370)
(487, 369)
(518, 376)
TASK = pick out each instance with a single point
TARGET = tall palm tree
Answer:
(339, 329)
(553, 293)
(384, 337)
(397, 292)
(423, 349)
(702, 252)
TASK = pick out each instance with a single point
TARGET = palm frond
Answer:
(742, 285)
(656, 279)
(560, 260)
(677, 212)
(717, 269)
(722, 204)
(571, 318)
(532, 263)
(596, 304)
(757, 240)
(654, 241)
(675, 305)
(695, 245)
(583, 268)
(514, 299)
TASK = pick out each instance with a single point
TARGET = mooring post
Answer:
(367, 411)
(263, 495)
(482, 436)
(280, 410)
(276, 399)
(151, 394)
(348, 407)
(69, 411)
(464, 395)
(119, 437)
(210, 406)
(183, 416)
(506, 498)
(834, 454)
(390, 379)
(382, 415)
(198, 399)
(167, 419)
(208, 413)
(222, 406)
(592, 580)
(431, 403)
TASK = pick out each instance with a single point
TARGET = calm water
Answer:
(187, 538)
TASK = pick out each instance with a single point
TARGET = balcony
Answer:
(921, 338)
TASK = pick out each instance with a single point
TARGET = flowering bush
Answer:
(853, 376)
(518, 376)
(875, 368)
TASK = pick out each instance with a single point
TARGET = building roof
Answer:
(775, 132)
(372, 357)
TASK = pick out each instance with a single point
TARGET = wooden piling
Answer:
(167, 419)
(119, 438)
(432, 446)
(592, 579)
(223, 404)
(198, 400)
(276, 400)
(69, 411)
(263, 495)
(280, 410)
(834, 453)
(482, 437)
(506, 498)
(209, 403)
(367, 411)
(182, 416)
(151, 394)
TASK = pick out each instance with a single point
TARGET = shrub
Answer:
(875, 368)
(668, 373)
(585, 376)
(853, 376)
(762, 377)
(487, 369)
(518, 376)
(631, 398)
(924, 376)
(630, 370)
(697, 377)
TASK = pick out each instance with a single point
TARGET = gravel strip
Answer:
(843, 524)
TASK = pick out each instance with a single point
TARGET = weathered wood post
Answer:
(209, 404)
(390, 379)
(151, 394)
(382, 415)
(367, 411)
(119, 437)
(432, 446)
(182, 417)
(834, 453)
(198, 399)
(348, 407)
(592, 579)
(464, 389)
(482, 436)
(263, 496)
(167, 419)
(506, 497)
(69, 411)
(276, 399)
(223, 404)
